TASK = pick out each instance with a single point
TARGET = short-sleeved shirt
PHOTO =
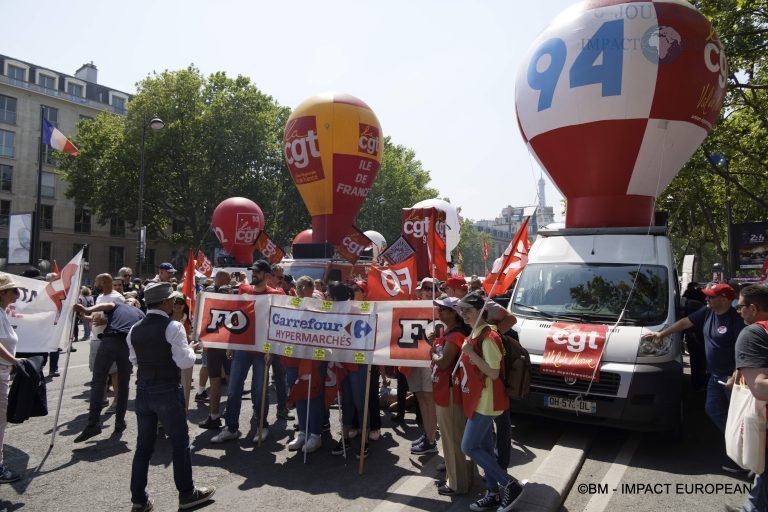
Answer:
(720, 333)
(492, 356)
(752, 347)
(8, 337)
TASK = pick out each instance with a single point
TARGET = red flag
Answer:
(56, 268)
(424, 230)
(393, 282)
(512, 262)
(300, 389)
(188, 288)
(352, 245)
(268, 248)
(204, 264)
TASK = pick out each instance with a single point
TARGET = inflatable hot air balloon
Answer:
(303, 237)
(452, 222)
(614, 97)
(237, 222)
(333, 148)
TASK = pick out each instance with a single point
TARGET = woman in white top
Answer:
(9, 293)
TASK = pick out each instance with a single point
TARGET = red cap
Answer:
(720, 290)
(456, 282)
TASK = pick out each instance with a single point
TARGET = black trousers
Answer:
(112, 349)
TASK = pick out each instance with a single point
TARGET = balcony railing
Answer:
(59, 94)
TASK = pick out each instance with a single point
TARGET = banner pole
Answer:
(364, 438)
(306, 424)
(267, 360)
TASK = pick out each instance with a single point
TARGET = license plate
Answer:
(570, 404)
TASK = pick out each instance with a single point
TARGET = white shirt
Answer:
(8, 337)
(112, 296)
(176, 336)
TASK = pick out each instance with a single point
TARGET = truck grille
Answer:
(608, 385)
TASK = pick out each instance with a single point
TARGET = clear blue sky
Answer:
(440, 74)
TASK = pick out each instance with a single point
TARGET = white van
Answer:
(617, 281)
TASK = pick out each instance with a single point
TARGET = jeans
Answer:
(717, 401)
(111, 350)
(503, 439)
(757, 500)
(242, 361)
(477, 444)
(315, 406)
(353, 397)
(161, 401)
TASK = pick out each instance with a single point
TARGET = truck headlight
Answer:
(649, 348)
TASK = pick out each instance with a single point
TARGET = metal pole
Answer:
(731, 267)
(141, 199)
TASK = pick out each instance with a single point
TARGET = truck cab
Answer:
(617, 281)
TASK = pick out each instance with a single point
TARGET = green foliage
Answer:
(471, 248)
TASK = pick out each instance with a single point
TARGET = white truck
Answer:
(593, 292)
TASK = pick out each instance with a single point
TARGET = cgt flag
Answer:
(268, 248)
(188, 288)
(204, 265)
(512, 262)
(57, 140)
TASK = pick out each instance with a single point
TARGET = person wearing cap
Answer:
(112, 349)
(158, 347)
(483, 398)
(242, 361)
(444, 353)
(9, 293)
(165, 272)
(428, 289)
(456, 286)
(721, 325)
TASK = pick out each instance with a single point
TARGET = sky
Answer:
(439, 74)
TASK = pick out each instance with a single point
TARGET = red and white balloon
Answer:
(237, 222)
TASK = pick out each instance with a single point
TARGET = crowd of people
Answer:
(460, 396)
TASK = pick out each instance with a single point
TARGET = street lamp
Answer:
(156, 124)
(717, 160)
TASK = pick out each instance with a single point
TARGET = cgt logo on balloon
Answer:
(247, 228)
(302, 150)
(369, 140)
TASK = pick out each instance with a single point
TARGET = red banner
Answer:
(393, 282)
(230, 320)
(188, 286)
(512, 262)
(352, 245)
(204, 265)
(574, 350)
(424, 229)
(268, 248)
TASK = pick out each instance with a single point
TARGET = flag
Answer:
(352, 245)
(512, 262)
(56, 139)
(393, 282)
(188, 288)
(56, 268)
(268, 248)
(204, 264)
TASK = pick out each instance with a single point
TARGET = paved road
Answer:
(94, 476)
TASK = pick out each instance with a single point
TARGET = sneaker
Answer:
(201, 397)
(143, 507)
(285, 415)
(421, 439)
(509, 494)
(352, 433)
(7, 476)
(87, 433)
(54, 374)
(365, 453)
(313, 444)
(339, 448)
(424, 448)
(732, 468)
(489, 501)
(297, 443)
(264, 434)
(226, 435)
(374, 435)
(196, 497)
(211, 423)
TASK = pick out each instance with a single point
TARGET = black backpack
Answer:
(516, 370)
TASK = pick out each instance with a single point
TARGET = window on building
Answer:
(46, 81)
(5, 213)
(75, 89)
(46, 251)
(7, 109)
(16, 73)
(4, 247)
(119, 104)
(49, 185)
(46, 217)
(6, 143)
(116, 226)
(116, 258)
(6, 178)
(82, 220)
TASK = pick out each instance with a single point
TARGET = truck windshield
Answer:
(593, 293)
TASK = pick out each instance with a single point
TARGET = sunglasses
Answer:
(178, 302)
(739, 307)
(443, 308)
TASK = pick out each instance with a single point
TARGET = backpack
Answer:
(516, 371)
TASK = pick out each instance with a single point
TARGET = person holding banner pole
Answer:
(9, 293)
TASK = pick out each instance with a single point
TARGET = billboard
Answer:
(750, 242)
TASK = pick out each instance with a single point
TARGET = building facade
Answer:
(27, 93)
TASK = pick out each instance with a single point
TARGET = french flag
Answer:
(56, 139)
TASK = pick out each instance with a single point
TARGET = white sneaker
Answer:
(313, 444)
(297, 442)
(264, 434)
(225, 435)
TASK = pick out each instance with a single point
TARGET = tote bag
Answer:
(745, 429)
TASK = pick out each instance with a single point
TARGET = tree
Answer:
(471, 248)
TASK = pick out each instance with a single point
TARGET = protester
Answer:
(181, 315)
(158, 346)
(98, 324)
(9, 293)
(444, 354)
(483, 398)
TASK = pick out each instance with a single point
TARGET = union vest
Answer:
(153, 352)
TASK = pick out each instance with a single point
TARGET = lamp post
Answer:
(717, 159)
(156, 124)
(382, 202)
